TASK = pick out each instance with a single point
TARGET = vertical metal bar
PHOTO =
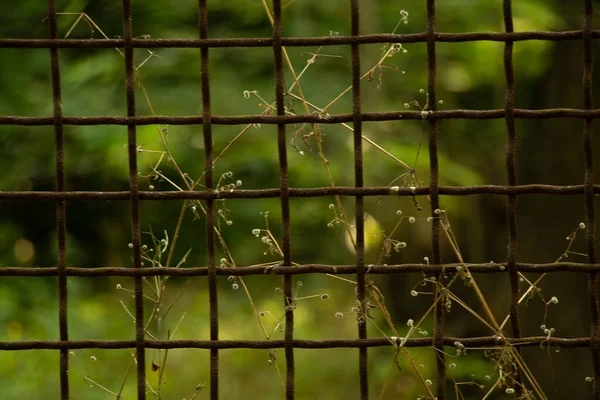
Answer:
(590, 220)
(511, 169)
(136, 237)
(359, 201)
(285, 202)
(61, 212)
(210, 213)
(438, 334)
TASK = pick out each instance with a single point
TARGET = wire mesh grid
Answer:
(60, 196)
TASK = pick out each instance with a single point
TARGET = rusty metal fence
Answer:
(284, 192)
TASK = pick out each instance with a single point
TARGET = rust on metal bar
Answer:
(210, 209)
(431, 107)
(374, 269)
(511, 169)
(481, 341)
(302, 118)
(61, 211)
(589, 178)
(361, 282)
(302, 192)
(284, 195)
(136, 237)
(295, 41)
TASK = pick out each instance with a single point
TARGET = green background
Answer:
(471, 152)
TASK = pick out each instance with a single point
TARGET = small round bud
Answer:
(151, 187)
(412, 220)
(414, 293)
(339, 315)
(230, 222)
(235, 286)
(406, 105)
(399, 213)
(130, 245)
(554, 300)
(453, 365)
(510, 391)
(324, 296)
(429, 219)
(589, 379)
(231, 278)
(93, 358)
(246, 94)
(331, 206)
(256, 232)
(421, 90)
(428, 382)
(410, 322)
(581, 225)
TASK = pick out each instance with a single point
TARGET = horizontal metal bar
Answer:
(300, 192)
(295, 41)
(299, 269)
(303, 118)
(484, 341)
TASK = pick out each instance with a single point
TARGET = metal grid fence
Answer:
(284, 192)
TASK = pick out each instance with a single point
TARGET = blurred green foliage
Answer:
(470, 76)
